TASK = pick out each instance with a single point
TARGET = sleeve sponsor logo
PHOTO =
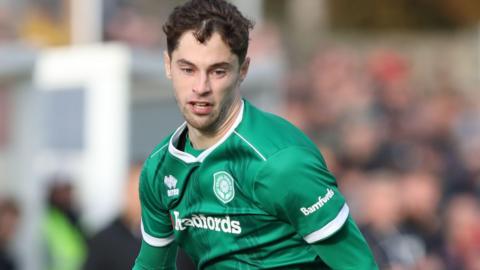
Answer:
(218, 224)
(171, 183)
(319, 204)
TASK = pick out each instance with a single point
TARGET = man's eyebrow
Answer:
(221, 65)
(215, 65)
(184, 62)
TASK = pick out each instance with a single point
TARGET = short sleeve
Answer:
(295, 185)
(156, 224)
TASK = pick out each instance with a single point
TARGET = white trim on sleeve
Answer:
(331, 227)
(154, 241)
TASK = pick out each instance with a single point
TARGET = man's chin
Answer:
(199, 123)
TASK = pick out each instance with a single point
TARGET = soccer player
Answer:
(236, 187)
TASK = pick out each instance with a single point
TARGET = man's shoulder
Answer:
(269, 133)
(159, 151)
(154, 160)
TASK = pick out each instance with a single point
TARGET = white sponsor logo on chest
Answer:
(219, 224)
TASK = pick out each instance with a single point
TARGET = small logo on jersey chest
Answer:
(171, 184)
(223, 186)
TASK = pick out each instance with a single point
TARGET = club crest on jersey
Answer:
(171, 184)
(223, 186)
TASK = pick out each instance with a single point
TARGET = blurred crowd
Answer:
(9, 218)
(65, 244)
(47, 23)
(405, 153)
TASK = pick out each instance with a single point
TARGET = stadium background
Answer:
(389, 90)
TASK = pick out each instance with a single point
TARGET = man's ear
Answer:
(167, 64)
(244, 68)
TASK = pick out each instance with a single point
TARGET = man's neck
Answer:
(202, 140)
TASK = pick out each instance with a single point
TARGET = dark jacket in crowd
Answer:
(113, 248)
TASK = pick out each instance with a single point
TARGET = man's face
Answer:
(206, 79)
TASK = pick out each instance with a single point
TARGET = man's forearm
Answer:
(346, 249)
(156, 258)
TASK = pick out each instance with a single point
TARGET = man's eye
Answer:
(187, 70)
(219, 72)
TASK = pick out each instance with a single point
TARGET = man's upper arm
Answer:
(307, 197)
(156, 224)
(158, 249)
(306, 193)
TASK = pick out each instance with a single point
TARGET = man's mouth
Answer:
(201, 107)
(200, 104)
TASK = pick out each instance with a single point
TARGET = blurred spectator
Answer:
(361, 145)
(297, 96)
(65, 245)
(462, 233)
(47, 23)
(5, 102)
(136, 23)
(467, 136)
(420, 198)
(7, 27)
(116, 246)
(392, 247)
(9, 215)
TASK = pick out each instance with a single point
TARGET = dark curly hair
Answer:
(206, 17)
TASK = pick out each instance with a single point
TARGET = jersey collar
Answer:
(186, 157)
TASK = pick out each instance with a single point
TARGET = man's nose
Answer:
(202, 85)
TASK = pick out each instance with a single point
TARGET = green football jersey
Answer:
(260, 198)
